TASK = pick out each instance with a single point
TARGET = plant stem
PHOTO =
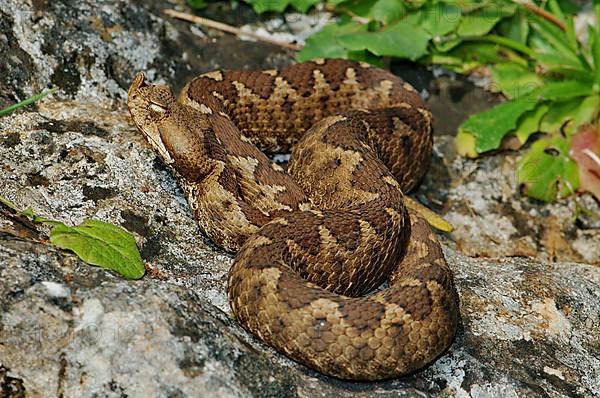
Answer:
(28, 101)
(229, 29)
(528, 4)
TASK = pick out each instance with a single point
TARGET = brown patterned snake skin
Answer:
(313, 242)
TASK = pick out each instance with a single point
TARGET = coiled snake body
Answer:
(314, 241)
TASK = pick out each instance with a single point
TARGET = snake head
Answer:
(176, 132)
(149, 105)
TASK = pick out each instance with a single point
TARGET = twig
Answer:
(542, 13)
(229, 29)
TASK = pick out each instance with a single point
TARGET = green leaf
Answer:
(554, 37)
(567, 116)
(326, 44)
(28, 101)
(547, 171)
(400, 40)
(556, 63)
(387, 11)
(481, 21)
(530, 122)
(516, 80)
(303, 5)
(98, 243)
(261, 6)
(439, 19)
(594, 43)
(196, 4)
(515, 28)
(564, 90)
(491, 126)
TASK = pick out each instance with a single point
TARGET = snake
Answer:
(331, 267)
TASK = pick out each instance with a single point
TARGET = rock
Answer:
(530, 327)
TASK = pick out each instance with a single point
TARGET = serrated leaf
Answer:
(515, 80)
(564, 90)
(546, 171)
(102, 244)
(490, 127)
(400, 40)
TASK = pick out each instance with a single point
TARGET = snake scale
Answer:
(313, 242)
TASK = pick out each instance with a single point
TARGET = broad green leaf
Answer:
(491, 126)
(439, 18)
(359, 8)
(325, 43)
(365, 56)
(481, 21)
(564, 90)
(515, 80)
(546, 171)
(529, 123)
(387, 11)
(400, 40)
(98, 243)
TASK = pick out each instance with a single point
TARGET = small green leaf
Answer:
(564, 90)
(515, 80)
(400, 40)
(491, 126)
(481, 21)
(261, 6)
(515, 28)
(567, 116)
(303, 5)
(547, 171)
(102, 244)
(196, 4)
(387, 11)
(529, 123)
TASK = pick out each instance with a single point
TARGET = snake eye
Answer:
(157, 108)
